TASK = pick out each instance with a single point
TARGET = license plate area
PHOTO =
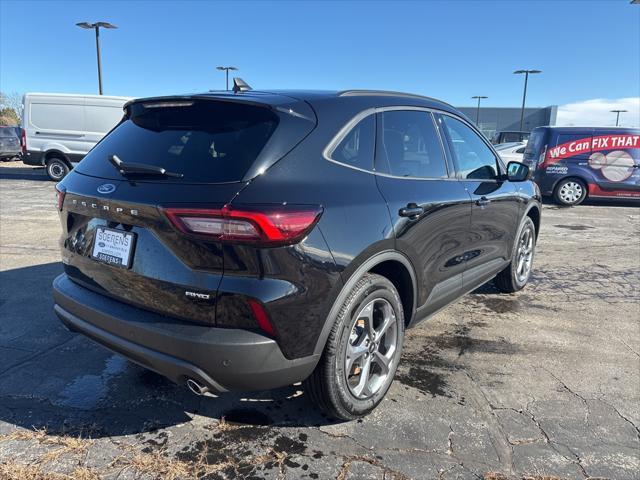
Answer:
(113, 247)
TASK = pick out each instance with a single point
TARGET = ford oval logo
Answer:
(106, 188)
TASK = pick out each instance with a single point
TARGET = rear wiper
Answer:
(140, 168)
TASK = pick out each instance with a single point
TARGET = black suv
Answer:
(253, 240)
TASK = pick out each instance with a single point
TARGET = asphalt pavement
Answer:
(545, 382)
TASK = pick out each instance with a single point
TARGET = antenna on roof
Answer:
(240, 85)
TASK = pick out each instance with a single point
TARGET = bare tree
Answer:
(11, 101)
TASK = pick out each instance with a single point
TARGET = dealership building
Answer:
(496, 119)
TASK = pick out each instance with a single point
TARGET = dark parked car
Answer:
(571, 164)
(10, 147)
(252, 240)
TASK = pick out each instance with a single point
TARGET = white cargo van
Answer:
(59, 129)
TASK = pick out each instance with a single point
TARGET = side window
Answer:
(410, 145)
(356, 149)
(475, 159)
(520, 150)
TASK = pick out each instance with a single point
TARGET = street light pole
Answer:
(96, 26)
(226, 70)
(618, 112)
(98, 55)
(479, 97)
(524, 94)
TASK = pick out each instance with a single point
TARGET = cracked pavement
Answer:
(542, 382)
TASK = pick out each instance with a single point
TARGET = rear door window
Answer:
(410, 146)
(206, 141)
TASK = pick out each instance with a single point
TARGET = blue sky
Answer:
(450, 50)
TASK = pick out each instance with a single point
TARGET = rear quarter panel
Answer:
(355, 224)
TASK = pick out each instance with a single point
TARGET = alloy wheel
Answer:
(371, 348)
(524, 255)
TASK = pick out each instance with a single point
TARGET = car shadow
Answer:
(23, 173)
(51, 378)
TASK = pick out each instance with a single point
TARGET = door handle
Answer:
(483, 202)
(37, 133)
(412, 210)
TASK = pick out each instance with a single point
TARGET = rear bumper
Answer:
(33, 157)
(221, 358)
(10, 153)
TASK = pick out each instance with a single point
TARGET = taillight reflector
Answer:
(23, 141)
(273, 225)
(261, 317)
(60, 193)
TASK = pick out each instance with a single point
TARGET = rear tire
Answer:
(517, 274)
(570, 192)
(368, 332)
(57, 169)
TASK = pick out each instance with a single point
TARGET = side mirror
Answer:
(517, 172)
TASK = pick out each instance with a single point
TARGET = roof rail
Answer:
(387, 93)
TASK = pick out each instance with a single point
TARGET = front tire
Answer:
(362, 352)
(517, 274)
(570, 192)
(57, 169)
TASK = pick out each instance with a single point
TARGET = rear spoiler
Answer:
(279, 103)
(189, 98)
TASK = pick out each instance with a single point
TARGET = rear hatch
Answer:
(535, 150)
(9, 141)
(169, 154)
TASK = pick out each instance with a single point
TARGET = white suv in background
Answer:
(61, 128)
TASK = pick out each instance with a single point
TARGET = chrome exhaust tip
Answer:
(196, 387)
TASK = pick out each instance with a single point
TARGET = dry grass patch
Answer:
(159, 465)
(12, 470)
(223, 426)
(388, 473)
(67, 444)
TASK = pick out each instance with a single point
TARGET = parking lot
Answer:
(545, 382)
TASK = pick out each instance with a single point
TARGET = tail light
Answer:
(264, 225)
(23, 141)
(542, 156)
(60, 193)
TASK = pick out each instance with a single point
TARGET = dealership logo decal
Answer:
(589, 144)
(106, 188)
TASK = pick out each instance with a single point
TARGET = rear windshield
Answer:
(535, 142)
(513, 137)
(7, 132)
(205, 141)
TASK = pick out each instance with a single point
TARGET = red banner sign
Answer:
(591, 144)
